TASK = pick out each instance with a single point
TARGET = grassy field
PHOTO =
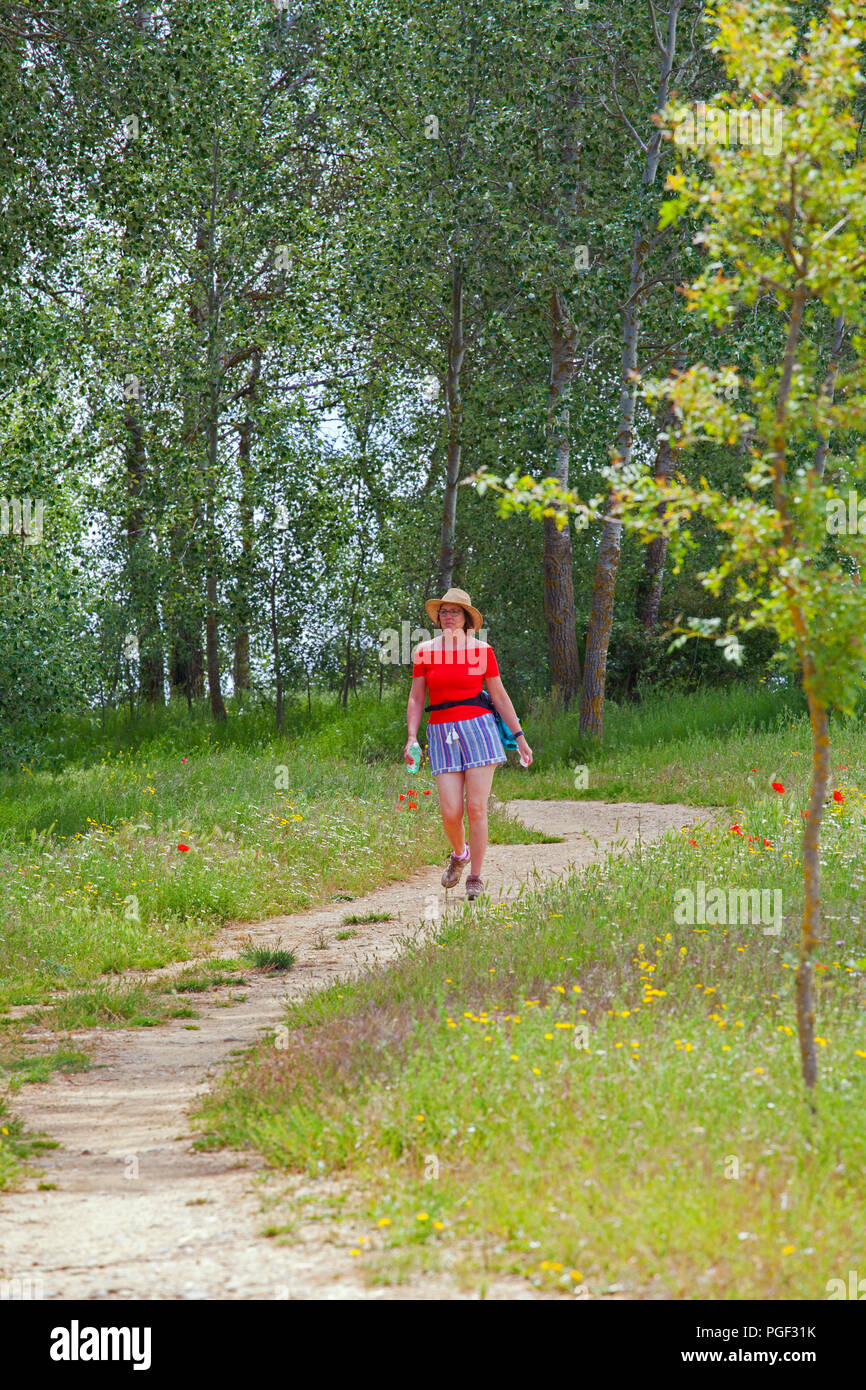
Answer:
(583, 1091)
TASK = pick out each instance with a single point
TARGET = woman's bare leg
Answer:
(450, 786)
(479, 780)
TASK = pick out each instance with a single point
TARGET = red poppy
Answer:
(777, 787)
(754, 769)
(413, 805)
(183, 848)
(411, 791)
(402, 797)
(693, 842)
(736, 829)
(426, 793)
(837, 796)
(767, 843)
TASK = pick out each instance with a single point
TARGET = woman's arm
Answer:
(414, 711)
(499, 695)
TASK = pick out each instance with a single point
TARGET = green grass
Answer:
(195, 979)
(18, 1148)
(345, 935)
(18, 1065)
(94, 881)
(483, 1124)
(268, 958)
(356, 919)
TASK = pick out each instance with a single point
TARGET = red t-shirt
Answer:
(455, 674)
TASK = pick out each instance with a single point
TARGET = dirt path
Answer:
(136, 1212)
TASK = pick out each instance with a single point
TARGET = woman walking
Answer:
(463, 740)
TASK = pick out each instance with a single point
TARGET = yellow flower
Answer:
(422, 1216)
(537, 1071)
(759, 1071)
(575, 1274)
(576, 989)
(788, 1249)
(384, 1221)
(354, 1252)
(822, 1041)
(420, 1118)
(439, 1225)
(548, 1035)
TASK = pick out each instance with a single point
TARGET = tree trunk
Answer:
(655, 554)
(214, 678)
(275, 647)
(141, 571)
(828, 389)
(559, 613)
(241, 667)
(453, 414)
(347, 674)
(212, 649)
(805, 983)
(607, 565)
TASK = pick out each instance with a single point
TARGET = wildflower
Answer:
(401, 797)
(837, 796)
(777, 787)
(693, 842)
(788, 1249)
(439, 1225)
(422, 1216)
(384, 1221)
(735, 828)
(767, 844)
(759, 1071)
(183, 848)
(426, 793)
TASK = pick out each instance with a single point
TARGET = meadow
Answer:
(579, 1088)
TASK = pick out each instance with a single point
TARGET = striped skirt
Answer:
(453, 747)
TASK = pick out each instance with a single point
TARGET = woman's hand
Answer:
(408, 755)
(524, 750)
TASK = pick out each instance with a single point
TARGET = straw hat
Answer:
(454, 596)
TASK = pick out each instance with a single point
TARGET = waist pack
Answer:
(508, 739)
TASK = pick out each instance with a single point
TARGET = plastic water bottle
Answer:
(524, 761)
(415, 750)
